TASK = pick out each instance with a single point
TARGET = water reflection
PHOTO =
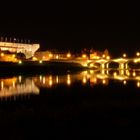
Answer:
(21, 85)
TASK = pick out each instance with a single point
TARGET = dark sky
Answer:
(73, 26)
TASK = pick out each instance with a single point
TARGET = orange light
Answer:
(108, 57)
(57, 56)
(138, 54)
(103, 55)
(84, 56)
(50, 55)
(124, 55)
(68, 55)
(2, 54)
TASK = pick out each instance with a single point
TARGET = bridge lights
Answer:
(13, 55)
(135, 60)
(124, 82)
(91, 65)
(68, 80)
(50, 55)
(20, 62)
(40, 61)
(134, 74)
(104, 81)
(115, 74)
(108, 57)
(68, 55)
(84, 55)
(103, 55)
(2, 54)
(124, 55)
(84, 80)
(34, 58)
(138, 84)
(137, 54)
(57, 56)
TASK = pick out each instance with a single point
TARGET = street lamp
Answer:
(124, 55)
(137, 54)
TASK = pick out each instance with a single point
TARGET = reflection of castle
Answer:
(14, 87)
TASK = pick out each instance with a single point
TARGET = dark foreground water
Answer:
(54, 104)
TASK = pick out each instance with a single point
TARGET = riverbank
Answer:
(35, 67)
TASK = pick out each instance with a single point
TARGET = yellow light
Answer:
(91, 65)
(40, 78)
(68, 79)
(57, 56)
(108, 57)
(115, 74)
(40, 61)
(57, 79)
(68, 55)
(91, 71)
(138, 54)
(20, 62)
(2, 84)
(13, 84)
(124, 82)
(104, 81)
(2, 54)
(50, 82)
(50, 55)
(13, 55)
(134, 74)
(124, 55)
(138, 84)
(34, 58)
(44, 80)
(102, 66)
(135, 60)
(84, 56)
(43, 57)
(20, 78)
(84, 80)
(122, 72)
(103, 55)
(128, 73)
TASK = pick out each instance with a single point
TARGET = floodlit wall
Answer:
(27, 49)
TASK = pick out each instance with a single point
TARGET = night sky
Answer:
(73, 26)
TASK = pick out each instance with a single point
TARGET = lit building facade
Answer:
(27, 49)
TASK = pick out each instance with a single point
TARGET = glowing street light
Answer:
(84, 56)
(13, 55)
(103, 55)
(134, 74)
(68, 55)
(20, 62)
(124, 82)
(108, 57)
(115, 74)
(124, 55)
(50, 55)
(138, 84)
(2, 54)
(40, 61)
(137, 54)
(57, 56)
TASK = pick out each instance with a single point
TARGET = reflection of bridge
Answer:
(12, 87)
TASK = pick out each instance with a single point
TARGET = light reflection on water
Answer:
(21, 85)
